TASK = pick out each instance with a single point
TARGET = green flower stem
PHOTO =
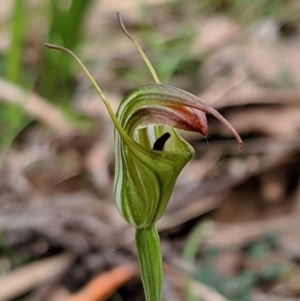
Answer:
(148, 247)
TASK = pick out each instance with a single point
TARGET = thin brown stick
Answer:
(35, 106)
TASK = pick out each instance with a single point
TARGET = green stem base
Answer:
(150, 260)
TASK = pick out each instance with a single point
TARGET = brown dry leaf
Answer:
(187, 212)
(28, 277)
(281, 121)
(93, 106)
(271, 61)
(97, 161)
(247, 95)
(223, 68)
(38, 166)
(213, 33)
(195, 170)
(281, 61)
(104, 285)
(129, 8)
(74, 220)
(58, 294)
(235, 236)
(47, 173)
(256, 53)
(36, 106)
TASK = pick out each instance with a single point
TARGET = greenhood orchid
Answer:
(149, 155)
(145, 176)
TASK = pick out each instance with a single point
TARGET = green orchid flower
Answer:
(146, 174)
(149, 156)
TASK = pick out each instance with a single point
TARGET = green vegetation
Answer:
(65, 27)
(239, 287)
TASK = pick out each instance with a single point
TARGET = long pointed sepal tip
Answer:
(238, 139)
(121, 23)
(241, 145)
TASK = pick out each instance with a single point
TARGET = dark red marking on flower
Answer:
(174, 116)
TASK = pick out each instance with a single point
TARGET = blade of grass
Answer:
(193, 243)
(189, 254)
(12, 117)
(65, 29)
(14, 55)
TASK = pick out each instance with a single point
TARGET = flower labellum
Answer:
(149, 156)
